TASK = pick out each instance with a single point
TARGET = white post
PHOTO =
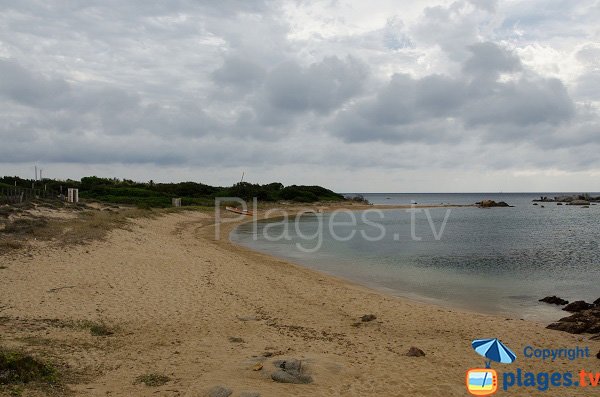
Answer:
(72, 195)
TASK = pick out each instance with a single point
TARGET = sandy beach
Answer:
(208, 313)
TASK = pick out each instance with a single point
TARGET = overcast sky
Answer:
(438, 96)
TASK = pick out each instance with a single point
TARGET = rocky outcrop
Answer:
(491, 203)
(554, 300)
(577, 306)
(585, 321)
(579, 202)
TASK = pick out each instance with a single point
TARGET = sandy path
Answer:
(177, 297)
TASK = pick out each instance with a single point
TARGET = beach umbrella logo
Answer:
(484, 381)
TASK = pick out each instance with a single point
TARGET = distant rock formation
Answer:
(491, 203)
(579, 199)
(554, 300)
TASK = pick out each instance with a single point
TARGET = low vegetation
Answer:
(19, 368)
(152, 380)
(159, 195)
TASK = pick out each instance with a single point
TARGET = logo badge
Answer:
(482, 381)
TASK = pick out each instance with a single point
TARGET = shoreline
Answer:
(386, 291)
(206, 313)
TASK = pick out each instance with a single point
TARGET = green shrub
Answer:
(17, 367)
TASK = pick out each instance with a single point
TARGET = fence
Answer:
(15, 195)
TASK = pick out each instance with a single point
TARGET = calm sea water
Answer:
(498, 260)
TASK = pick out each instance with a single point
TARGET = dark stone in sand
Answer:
(585, 321)
(577, 306)
(290, 371)
(289, 365)
(554, 300)
(294, 377)
(368, 317)
(249, 394)
(415, 352)
(219, 391)
(235, 339)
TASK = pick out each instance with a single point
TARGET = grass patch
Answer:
(153, 379)
(98, 329)
(7, 245)
(25, 226)
(20, 368)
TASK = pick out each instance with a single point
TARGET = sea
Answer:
(493, 260)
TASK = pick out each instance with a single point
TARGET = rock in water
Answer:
(368, 317)
(220, 391)
(577, 306)
(491, 203)
(554, 300)
(415, 352)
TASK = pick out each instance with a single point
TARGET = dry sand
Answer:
(176, 296)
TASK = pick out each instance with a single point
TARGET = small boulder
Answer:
(293, 377)
(289, 365)
(415, 352)
(257, 367)
(290, 371)
(219, 391)
(577, 306)
(235, 339)
(368, 317)
(598, 355)
(597, 302)
(554, 300)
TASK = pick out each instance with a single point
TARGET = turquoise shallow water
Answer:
(499, 260)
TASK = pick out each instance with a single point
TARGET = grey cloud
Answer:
(453, 28)
(489, 60)
(239, 72)
(20, 85)
(477, 102)
(588, 86)
(320, 87)
(522, 102)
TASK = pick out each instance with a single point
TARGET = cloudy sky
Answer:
(467, 95)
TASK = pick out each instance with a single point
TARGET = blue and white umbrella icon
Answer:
(493, 350)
